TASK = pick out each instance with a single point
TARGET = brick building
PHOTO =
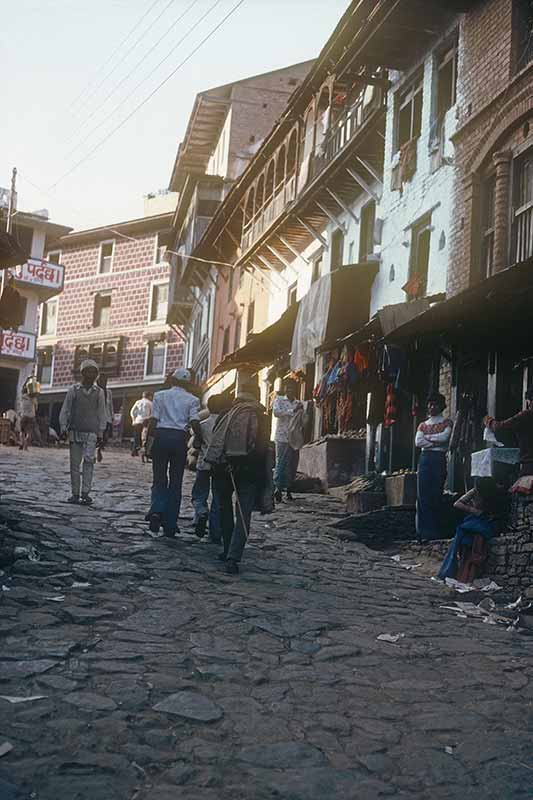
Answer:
(113, 309)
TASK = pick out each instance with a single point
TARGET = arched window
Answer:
(291, 154)
(249, 207)
(280, 167)
(259, 192)
(269, 184)
(322, 119)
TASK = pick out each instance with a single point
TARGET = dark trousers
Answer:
(137, 433)
(234, 533)
(430, 486)
(200, 496)
(286, 465)
(169, 454)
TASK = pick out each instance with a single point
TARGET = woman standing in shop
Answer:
(432, 437)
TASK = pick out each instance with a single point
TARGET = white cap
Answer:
(87, 364)
(182, 374)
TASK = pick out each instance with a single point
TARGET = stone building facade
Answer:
(113, 309)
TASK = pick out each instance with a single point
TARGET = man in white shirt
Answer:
(140, 414)
(283, 409)
(174, 411)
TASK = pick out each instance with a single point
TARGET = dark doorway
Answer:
(8, 388)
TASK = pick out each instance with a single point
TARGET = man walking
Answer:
(174, 410)
(216, 404)
(238, 455)
(28, 410)
(283, 409)
(83, 418)
(140, 414)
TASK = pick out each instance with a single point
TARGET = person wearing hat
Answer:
(174, 411)
(83, 418)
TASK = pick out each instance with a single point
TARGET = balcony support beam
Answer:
(362, 183)
(371, 170)
(314, 233)
(283, 260)
(269, 266)
(332, 217)
(292, 249)
(343, 205)
(266, 276)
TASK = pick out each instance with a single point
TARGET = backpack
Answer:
(235, 434)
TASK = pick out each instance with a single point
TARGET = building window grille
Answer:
(102, 310)
(522, 33)
(106, 257)
(409, 118)
(368, 220)
(159, 306)
(49, 317)
(523, 208)
(45, 358)
(446, 80)
(155, 358)
(337, 249)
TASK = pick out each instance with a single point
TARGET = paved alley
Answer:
(160, 677)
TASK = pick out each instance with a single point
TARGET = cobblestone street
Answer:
(160, 677)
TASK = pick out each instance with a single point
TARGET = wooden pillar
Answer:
(502, 162)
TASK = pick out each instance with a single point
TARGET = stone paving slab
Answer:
(163, 677)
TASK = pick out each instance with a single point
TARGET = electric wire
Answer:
(111, 57)
(140, 105)
(132, 48)
(121, 83)
(147, 77)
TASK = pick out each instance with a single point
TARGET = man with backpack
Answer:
(83, 419)
(238, 455)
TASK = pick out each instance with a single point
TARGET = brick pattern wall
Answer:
(133, 271)
(493, 105)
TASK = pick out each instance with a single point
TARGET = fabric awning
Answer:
(349, 307)
(386, 320)
(266, 346)
(500, 306)
(11, 253)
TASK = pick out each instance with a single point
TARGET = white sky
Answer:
(51, 50)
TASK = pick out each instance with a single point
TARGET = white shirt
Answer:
(283, 410)
(434, 434)
(141, 411)
(175, 408)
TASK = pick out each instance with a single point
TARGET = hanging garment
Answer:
(12, 308)
(311, 323)
(391, 407)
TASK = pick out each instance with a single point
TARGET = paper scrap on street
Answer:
(14, 699)
(391, 637)
(5, 748)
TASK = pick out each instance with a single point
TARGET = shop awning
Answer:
(348, 308)
(386, 320)
(500, 306)
(11, 253)
(266, 346)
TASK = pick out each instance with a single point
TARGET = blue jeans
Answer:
(169, 454)
(430, 486)
(234, 534)
(199, 497)
(286, 465)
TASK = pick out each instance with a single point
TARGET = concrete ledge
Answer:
(334, 461)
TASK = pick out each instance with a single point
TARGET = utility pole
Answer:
(12, 207)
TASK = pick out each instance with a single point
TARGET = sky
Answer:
(65, 88)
